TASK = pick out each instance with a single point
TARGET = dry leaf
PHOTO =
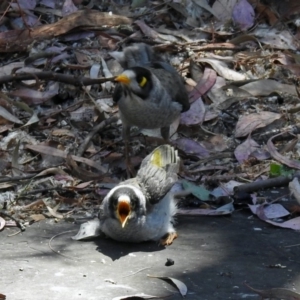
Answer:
(2, 297)
(276, 155)
(53, 211)
(271, 211)
(247, 124)
(8, 116)
(290, 224)
(179, 284)
(62, 132)
(2, 223)
(265, 87)
(294, 187)
(195, 115)
(222, 69)
(37, 217)
(223, 9)
(243, 151)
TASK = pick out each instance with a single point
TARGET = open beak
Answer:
(123, 79)
(123, 212)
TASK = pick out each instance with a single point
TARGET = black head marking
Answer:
(113, 200)
(118, 92)
(143, 74)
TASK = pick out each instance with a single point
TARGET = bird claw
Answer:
(168, 239)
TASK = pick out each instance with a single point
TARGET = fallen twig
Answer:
(66, 256)
(95, 130)
(18, 223)
(69, 79)
(263, 184)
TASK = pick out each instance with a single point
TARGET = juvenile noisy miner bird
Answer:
(150, 93)
(142, 208)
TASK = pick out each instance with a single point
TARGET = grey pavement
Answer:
(213, 256)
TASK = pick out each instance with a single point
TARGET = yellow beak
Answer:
(123, 79)
(123, 212)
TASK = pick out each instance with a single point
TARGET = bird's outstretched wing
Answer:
(158, 172)
(172, 82)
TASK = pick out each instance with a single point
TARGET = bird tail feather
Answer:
(165, 157)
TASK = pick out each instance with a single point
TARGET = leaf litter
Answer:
(241, 71)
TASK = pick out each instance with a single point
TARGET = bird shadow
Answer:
(115, 250)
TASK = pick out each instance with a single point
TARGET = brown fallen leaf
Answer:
(204, 84)
(179, 284)
(2, 297)
(10, 41)
(83, 185)
(37, 217)
(53, 211)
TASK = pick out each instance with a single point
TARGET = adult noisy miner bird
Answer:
(142, 208)
(150, 93)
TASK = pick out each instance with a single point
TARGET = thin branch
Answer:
(69, 79)
(95, 130)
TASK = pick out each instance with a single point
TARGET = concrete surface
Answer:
(213, 257)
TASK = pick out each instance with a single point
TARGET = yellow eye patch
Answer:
(143, 81)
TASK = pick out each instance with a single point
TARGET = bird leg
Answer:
(165, 133)
(168, 239)
(129, 168)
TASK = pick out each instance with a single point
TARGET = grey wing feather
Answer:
(155, 183)
(173, 83)
(155, 180)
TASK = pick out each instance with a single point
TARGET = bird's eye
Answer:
(143, 81)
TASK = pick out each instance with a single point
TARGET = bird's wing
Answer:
(172, 82)
(158, 173)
